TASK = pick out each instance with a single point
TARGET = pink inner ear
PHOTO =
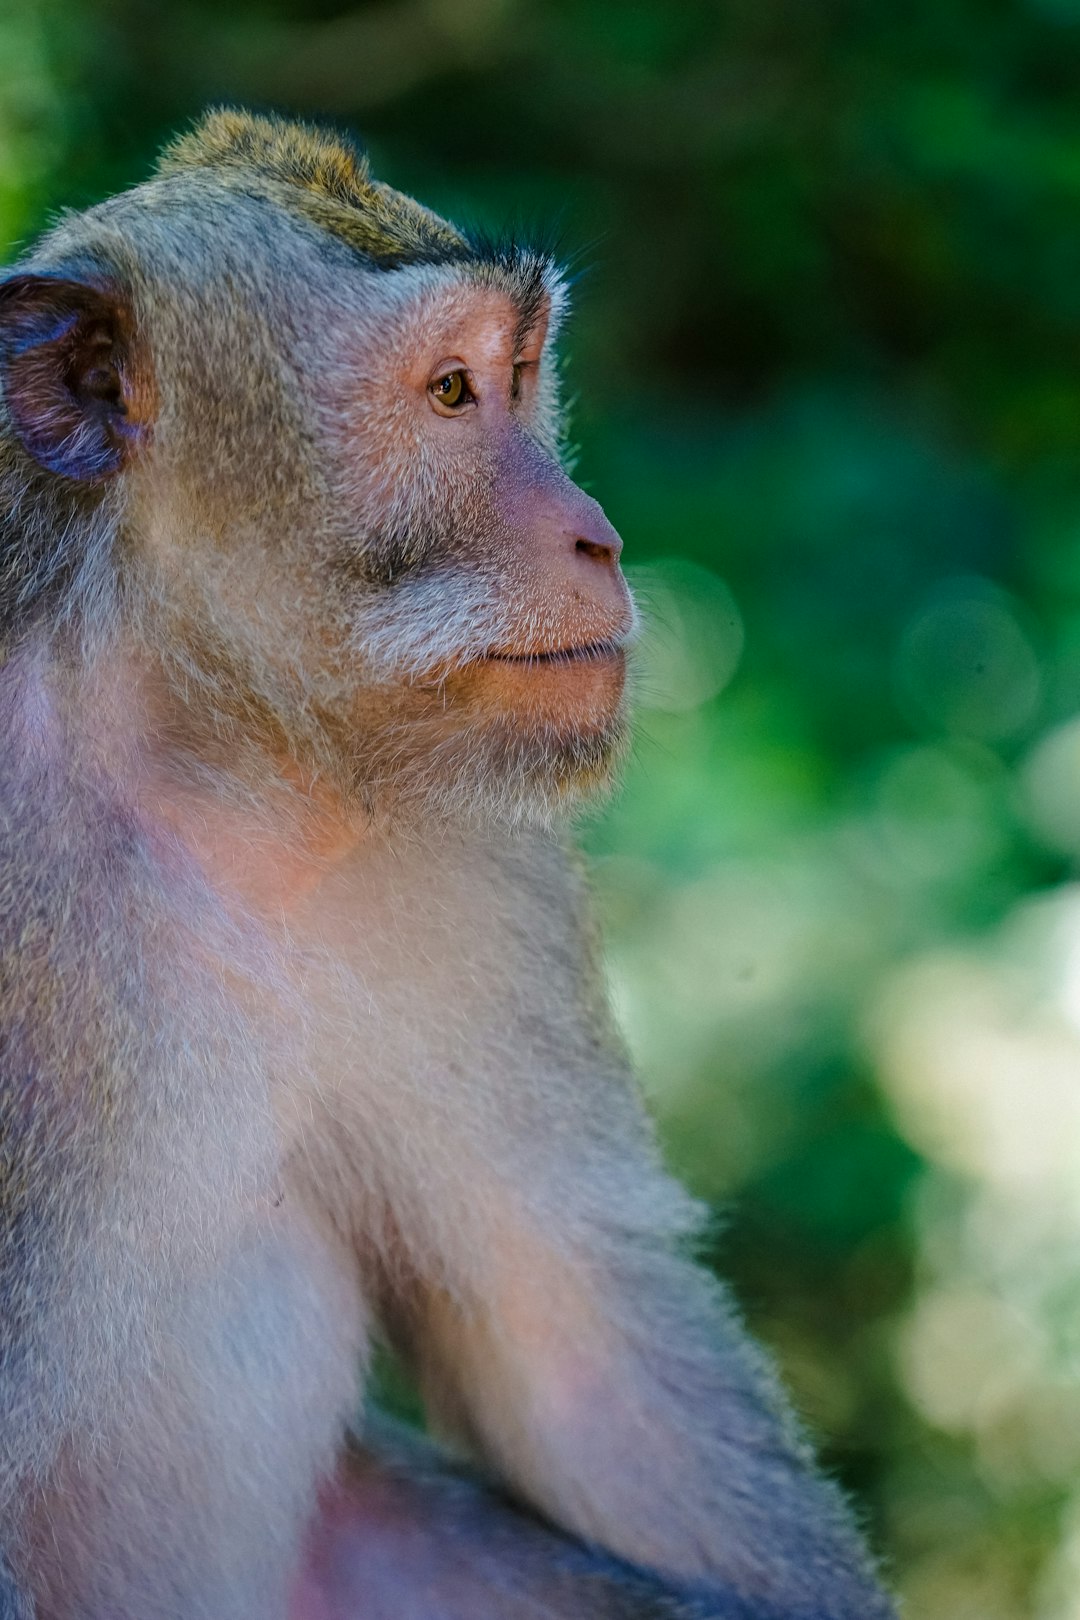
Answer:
(65, 367)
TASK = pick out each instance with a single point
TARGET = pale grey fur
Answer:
(231, 1142)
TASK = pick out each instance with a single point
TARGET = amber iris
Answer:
(451, 389)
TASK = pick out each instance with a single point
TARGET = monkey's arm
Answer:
(595, 1368)
(405, 1535)
(625, 1402)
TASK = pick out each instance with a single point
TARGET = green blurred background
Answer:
(827, 354)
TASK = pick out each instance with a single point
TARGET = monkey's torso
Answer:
(287, 1125)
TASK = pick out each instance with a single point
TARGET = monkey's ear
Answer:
(68, 373)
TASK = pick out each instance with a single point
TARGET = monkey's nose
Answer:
(595, 538)
(601, 551)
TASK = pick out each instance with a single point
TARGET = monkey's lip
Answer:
(590, 652)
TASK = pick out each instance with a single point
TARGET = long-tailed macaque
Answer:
(309, 646)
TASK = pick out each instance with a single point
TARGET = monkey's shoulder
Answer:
(80, 908)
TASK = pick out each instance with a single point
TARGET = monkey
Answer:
(310, 653)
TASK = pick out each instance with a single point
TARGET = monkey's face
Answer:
(487, 613)
(340, 508)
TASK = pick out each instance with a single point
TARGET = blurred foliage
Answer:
(828, 356)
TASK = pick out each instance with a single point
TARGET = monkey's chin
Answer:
(477, 765)
(546, 733)
(509, 774)
(500, 742)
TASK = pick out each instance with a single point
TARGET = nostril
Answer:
(595, 550)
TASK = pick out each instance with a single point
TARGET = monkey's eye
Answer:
(515, 383)
(451, 390)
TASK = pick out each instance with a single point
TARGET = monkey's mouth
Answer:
(591, 652)
(572, 689)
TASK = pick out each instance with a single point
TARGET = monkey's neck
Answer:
(273, 859)
(258, 823)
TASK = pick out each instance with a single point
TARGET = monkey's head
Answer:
(297, 439)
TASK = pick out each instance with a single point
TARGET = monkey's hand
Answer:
(402, 1534)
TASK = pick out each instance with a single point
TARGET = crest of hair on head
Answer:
(327, 178)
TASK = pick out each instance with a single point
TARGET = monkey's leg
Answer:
(405, 1535)
(616, 1392)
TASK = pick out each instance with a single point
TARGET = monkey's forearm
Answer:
(405, 1535)
(631, 1408)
